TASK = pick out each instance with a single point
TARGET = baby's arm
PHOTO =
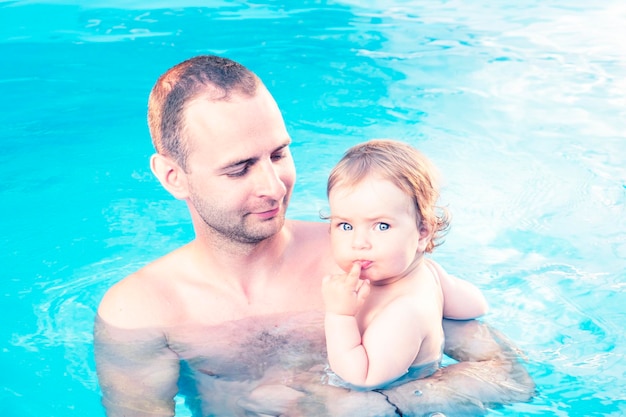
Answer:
(462, 300)
(365, 361)
(343, 299)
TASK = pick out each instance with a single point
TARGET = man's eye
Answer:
(345, 226)
(278, 156)
(382, 226)
(240, 173)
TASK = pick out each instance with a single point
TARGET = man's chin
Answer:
(266, 229)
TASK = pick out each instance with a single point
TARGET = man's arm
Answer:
(137, 371)
(489, 373)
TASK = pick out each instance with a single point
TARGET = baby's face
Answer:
(373, 223)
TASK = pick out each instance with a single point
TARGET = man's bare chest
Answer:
(250, 347)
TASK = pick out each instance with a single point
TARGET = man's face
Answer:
(240, 170)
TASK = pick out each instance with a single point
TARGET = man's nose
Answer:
(269, 183)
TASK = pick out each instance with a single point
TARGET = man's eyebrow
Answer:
(283, 146)
(251, 161)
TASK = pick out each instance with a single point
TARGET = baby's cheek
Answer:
(345, 264)
(343, 260)
(341, 247)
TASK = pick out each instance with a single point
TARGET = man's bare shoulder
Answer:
(308, 230)
(311, 235)
(314, 244)
(138, 300)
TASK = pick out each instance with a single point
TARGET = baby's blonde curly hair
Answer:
(407, 168)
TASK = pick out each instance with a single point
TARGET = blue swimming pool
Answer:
(522, 106)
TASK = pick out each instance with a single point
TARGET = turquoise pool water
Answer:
(521, 105)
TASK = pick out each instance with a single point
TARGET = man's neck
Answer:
(237, 258)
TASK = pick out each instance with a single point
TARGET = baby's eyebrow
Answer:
(379, 219)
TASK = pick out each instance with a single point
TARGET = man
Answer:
(234, 319)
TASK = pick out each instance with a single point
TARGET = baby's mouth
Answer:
(365, 264)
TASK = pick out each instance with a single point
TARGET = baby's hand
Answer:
(345, 293)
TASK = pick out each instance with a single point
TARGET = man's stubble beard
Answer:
(233, 227)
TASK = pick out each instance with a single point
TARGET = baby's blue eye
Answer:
(382, 226)
(345, 226)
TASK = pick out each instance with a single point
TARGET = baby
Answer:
(383, 318)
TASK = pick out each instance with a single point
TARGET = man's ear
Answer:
(171, 175)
